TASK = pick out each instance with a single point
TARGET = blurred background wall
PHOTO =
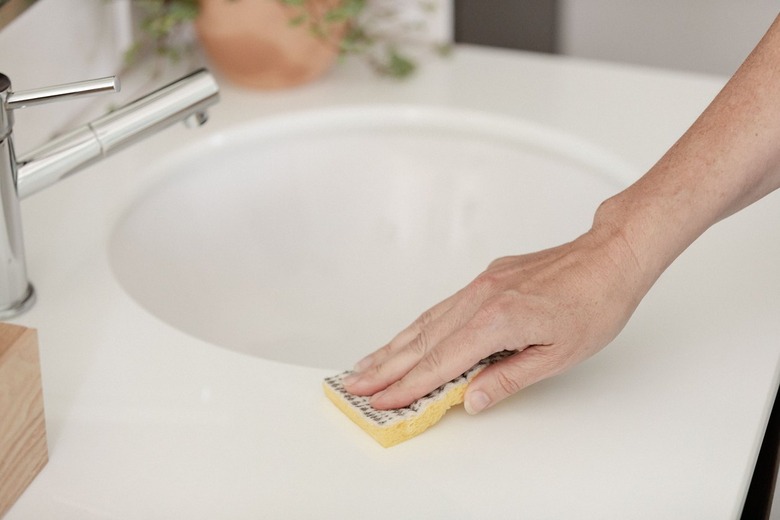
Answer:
(709, 36)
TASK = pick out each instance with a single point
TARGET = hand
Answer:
(555, 308)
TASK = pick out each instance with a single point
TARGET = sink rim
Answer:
(533, 134)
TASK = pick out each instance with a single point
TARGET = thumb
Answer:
(509, 376)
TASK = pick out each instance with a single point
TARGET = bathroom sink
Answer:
(312, 238)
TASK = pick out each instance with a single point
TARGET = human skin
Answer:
(560, 306)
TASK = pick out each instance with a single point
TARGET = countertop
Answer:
(145, 421)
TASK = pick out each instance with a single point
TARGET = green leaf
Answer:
(355, 41)
(132, 53)
(318, 30)
(298, 20)
(345, 11)
(399, 66)
(444, 49)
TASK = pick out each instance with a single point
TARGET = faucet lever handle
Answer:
(39, 96)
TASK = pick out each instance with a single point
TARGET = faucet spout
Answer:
(184, 100)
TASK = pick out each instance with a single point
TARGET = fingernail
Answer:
(476, 401)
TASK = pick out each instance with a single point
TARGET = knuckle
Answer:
(424, 319)
(379, 355)
(499, 262)
(495, 312)
(391, 349)
(507, 382)
(378, 377)
(434, 363)
(375, 372)
(421, 343)
(385, 350)
(486, 283)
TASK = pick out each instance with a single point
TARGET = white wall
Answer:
(63, 41)
(711, 36)
(60, 41)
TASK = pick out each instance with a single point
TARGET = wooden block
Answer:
(23, 450)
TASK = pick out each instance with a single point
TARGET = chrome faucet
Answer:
(184, 100)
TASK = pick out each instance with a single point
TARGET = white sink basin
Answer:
(312, 238)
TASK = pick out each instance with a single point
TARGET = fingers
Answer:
(485, 333)
(439, 366)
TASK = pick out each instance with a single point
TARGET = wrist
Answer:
(635, 238)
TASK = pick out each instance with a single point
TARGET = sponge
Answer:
(391, 427)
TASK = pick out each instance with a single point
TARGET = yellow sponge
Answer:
(390, 427)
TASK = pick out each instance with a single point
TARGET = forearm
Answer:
(727, 160)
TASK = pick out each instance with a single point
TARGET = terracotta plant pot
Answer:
(253, 43)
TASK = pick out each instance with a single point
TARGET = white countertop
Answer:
(147, 422)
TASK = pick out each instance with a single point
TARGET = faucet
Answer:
(184, 100)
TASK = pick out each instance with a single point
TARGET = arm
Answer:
(559, 306)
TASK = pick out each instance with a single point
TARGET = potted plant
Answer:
(278, 43)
